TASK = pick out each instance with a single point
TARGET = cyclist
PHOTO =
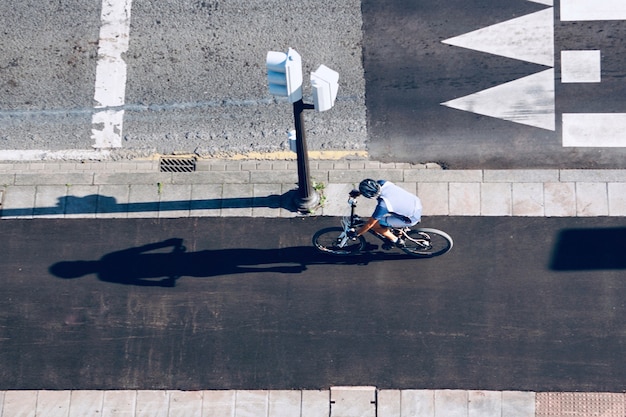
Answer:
(396, 208)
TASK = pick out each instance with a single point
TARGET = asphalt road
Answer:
(519, 303)
(410, 72)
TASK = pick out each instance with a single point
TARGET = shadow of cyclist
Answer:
(150, 265)
(143, 266)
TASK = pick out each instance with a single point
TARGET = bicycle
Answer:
(419, 242)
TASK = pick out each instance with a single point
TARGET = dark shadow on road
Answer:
(150, 265)
(589, 249)
(96, 203)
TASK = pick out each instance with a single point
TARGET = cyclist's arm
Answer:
(367, 226)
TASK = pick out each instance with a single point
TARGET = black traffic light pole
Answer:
(307, 198)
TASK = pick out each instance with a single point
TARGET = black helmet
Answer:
(369, 188)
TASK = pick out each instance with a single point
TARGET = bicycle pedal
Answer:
(387, 246)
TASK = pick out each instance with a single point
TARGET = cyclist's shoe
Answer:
(400, 243)
(387, 245)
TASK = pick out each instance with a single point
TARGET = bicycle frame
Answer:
(354, 220)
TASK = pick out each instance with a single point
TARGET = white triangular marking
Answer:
(528, 100)
(527, 38)
(546, 2)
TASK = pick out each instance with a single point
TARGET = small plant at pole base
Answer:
(319, 187)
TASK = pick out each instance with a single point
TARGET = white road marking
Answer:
(526, 38)
(546, 2)
(606, 130)
(42, 155)
(580, 66)
(110, 89)
(586, 10)
(528, 100)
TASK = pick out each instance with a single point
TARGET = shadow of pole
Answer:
(96, 203)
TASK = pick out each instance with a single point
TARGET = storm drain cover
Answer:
(177, 164)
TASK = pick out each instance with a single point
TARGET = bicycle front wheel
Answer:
(427, 243)
(328, 240)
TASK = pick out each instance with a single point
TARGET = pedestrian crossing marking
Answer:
(531, 100)
(588, 10)
(528, 100)
(528, 38)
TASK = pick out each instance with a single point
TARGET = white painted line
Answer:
(528, 38)
(546, 2)
(606, 130)
(110, 88)
(580, 66)
(528, 100)
(586, 10)
(41, 155)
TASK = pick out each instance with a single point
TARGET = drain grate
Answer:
(177, 164)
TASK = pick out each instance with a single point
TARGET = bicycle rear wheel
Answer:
(426, 243)
(327, 241)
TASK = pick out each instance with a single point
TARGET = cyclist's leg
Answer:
(387, 223)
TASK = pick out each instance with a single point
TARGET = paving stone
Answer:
(81, 201)
(284, 403)
(354, 177)
(53, 403)
(464, 199)
(7, 179)
(132, 178)
(518, 404)
(389, 403)
(484, 404)
(442, 175)
(528, 199)
(275, 177)
(435, 198)
(559, 199)
(418, 403)
(143, 201)
(119, 404)
(185, 404)
(86, 403)
(592, 175)
(152, 404)
(206, 200)
(352, 402)
(50, 201)
(175, 201)
(18, 201)
(451, 403)
(521, 175)
(112, 201)
(53, 178)
(266, 200)
(251, 403)
(617, 199)
(496, 199)
(20, 403)
(237, 200)
(218, 403)
(316, 403)
(591, 199)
